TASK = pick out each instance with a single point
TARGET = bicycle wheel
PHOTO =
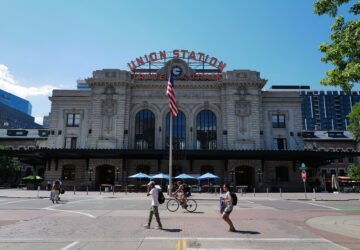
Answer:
(191, 205)
(172, 205)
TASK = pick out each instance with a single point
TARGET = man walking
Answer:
(154, 192)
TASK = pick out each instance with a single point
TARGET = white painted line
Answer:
(241, 239)
(70, 211)
(310, 203)
(70, 245)
(10, 202)
(334, 244)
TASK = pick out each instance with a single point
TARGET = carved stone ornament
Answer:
(108, 107)
(242, 108)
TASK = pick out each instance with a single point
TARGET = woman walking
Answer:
(229, 207)
(55, 192)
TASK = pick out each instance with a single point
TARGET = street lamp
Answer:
(117, 174)
(90, 172)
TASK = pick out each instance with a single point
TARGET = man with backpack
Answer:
(184, 191)
(154, 192)
(229, 200)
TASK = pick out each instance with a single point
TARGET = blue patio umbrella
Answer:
(185, 176)
(140, 176)
(160, 176)
(208, 176)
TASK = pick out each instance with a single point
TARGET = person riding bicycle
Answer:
(184, 191)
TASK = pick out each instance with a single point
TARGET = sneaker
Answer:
(232, 230)
(147, 226)
(158, 227)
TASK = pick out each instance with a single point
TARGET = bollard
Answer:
(241, 192)
(314, 194)
(114, 190)
(87, 190)
(254, 192)
(74, 189)
(100, 190)
(280, 193)
(267, 191)
(38, 191)
(126, 190)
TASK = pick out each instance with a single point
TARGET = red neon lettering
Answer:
(213, 61)
(193, 76)
(184, 77)
(132, 66)
(148, 77)
(146, 58)
(141, 76)
(133, 76)
(162, 77)
(153, 56)
(221, 66)
(199, 77)
(184, 52)
(218, 76)
(206, 58)
(201, 55)
(176, 53)
(155, 76)
(192, 55)
(207, 77)
(140, 61)
(162, 54)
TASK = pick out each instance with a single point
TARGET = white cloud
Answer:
(39, 120)
(9, 84)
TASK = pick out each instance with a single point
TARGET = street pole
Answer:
(305, 190)
(170, 157)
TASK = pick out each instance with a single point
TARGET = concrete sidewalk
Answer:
(19, 193)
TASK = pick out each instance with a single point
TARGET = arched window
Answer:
(69, 172)
(178, 131)
(206, 130)
(145, 130)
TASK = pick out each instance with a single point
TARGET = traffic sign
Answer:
(303, 166)
(303, 175)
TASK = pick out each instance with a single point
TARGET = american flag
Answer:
(171, 94)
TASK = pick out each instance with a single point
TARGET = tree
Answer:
(9, 166)
(354, 172)
(344, 50)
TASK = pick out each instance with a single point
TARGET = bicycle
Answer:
(173, 204)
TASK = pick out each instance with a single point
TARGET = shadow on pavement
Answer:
(246, 232)
(195, 212)
(175, 230)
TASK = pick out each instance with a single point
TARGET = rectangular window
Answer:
(70, 142)
(73, 120)
(278, 121)
(279, 144)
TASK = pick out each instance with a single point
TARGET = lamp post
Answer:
(117, 174)
(232, 173)
(259, 174)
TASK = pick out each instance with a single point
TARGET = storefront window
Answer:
(69, 172)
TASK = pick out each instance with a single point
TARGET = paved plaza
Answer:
(115, 221)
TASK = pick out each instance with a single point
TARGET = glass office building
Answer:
(324, 109)
(15, 102)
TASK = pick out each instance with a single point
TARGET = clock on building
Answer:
(176, 71)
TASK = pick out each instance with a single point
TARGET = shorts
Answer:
(228, 209)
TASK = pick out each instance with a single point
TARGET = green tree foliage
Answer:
(354, 172)
(344, 50)
(9, 166)
(354, 126)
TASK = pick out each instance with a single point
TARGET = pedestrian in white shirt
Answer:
(154, 192)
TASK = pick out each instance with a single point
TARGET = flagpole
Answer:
(170, 157)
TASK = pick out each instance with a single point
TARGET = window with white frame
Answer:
(70, 142)
(278, 121)
(73, 120)
(279, 144)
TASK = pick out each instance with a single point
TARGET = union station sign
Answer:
(197, 59)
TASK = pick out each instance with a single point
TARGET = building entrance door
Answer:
(244, 176)
(105, 174)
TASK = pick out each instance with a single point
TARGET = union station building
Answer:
(118, 125)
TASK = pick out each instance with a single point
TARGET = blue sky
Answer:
(51, 44)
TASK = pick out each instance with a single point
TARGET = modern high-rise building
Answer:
(15, 102)
(324, 109)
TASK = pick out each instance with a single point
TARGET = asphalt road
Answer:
(117, 223)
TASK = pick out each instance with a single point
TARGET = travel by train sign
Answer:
(162, 55)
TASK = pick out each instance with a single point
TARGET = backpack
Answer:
(187, 189)
(161, 197)
(234, 198)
